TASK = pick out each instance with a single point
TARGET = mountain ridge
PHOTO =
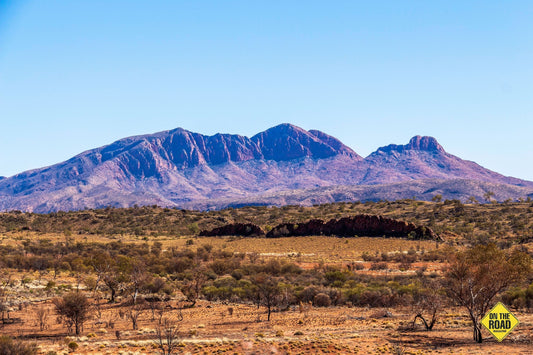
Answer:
(178, 168)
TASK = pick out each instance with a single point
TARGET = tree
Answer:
(473, 200)
(5, 282)
(192, 288)
(134, 312)
(167, 332)
(138, 278)
(114, 274)
(102, 264)
(437, 198)
(488, 196)
(478, 274)
(427, 304)
(73, 308)
(42, 317)
(268, 291)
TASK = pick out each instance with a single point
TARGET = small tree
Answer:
(477, 275)
(167, 333)
(427, 303)
(5, 282)
(488, 196)
(73, 308)
(42, 317)
(473, 199)
(134, 312)
(192, 288)
(437, 198)
(268, 291)
(138, 278)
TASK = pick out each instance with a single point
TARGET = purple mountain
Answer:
(179, 168)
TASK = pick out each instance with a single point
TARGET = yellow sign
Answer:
(499, 321)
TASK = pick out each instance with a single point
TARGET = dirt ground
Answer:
(211, 328)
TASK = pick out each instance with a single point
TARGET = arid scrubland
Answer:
(140, 280)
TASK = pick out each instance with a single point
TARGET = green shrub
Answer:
(73, 346)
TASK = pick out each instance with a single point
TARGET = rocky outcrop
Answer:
(360, 225)
(428, 144)
(237, 229)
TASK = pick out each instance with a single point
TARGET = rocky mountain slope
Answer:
(184, 169)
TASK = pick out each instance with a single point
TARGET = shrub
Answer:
(322, 300)
(359, 266)
(378, 266)
(308, 294)
(73, 345)
(335, 277)
(10, 347)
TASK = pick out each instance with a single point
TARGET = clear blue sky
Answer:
(75, 75)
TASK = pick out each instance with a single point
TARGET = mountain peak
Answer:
(417, 143)
(424, 143)
(284, 128)
(286, 142)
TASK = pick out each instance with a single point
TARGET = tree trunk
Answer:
(268, 317)
(193, 303)
(426, 325)
(113, 291)
(477, 333)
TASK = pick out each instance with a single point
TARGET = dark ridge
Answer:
(364, 225)
(238, 229)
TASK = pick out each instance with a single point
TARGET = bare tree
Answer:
(42, 314)
(102, 264)
(155, 305)
(167, 335)
(477, 275)
(134, 312)
(192, 288)
(138, 278)
(427, 305)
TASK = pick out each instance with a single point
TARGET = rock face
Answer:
(417, 143)
(237, 229)
(287, 142)
(363, 225)
(183, 169)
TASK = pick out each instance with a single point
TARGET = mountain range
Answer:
(284, 164)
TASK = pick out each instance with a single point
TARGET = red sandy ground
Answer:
(209, 329)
